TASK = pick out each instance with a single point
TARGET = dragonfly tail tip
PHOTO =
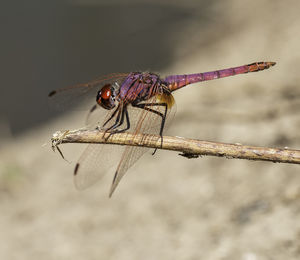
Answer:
(271, 63)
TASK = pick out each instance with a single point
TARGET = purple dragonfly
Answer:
(136, 102)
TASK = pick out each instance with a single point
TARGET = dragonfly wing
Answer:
(97, 159)
(69, 97)
(129, 157)
(147, 123)
(95, 162)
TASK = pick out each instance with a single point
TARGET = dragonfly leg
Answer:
(119, 122)
(162, 115)
(112, 115)
(127, 122)
(114, 125)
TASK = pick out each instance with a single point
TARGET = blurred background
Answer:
(166, 207)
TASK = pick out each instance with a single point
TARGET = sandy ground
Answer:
(169, 207)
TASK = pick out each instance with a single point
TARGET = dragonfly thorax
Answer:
(106, 97)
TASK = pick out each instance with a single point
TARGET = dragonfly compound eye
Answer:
(105, 97)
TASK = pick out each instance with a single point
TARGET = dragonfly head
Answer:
(106, 97)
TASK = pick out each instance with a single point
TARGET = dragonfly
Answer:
(135, 102)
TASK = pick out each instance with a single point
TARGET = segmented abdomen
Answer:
(178, 81)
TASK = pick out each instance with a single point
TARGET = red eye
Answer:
(105, 97)
(106, 92)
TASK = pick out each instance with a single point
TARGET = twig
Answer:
(189, 148)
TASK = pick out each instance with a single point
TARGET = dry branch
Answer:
(189, 148)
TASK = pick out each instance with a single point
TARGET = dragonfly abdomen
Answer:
(178, 81)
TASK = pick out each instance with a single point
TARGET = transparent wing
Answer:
(95, 162)
(84, 94)
(98, 159)
(148, 123)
